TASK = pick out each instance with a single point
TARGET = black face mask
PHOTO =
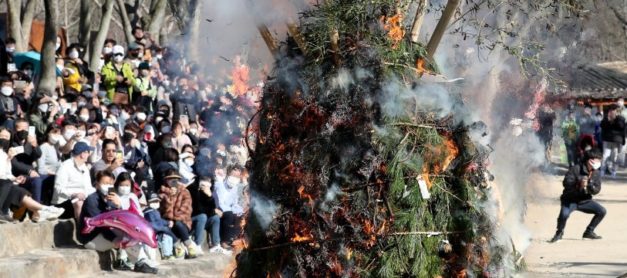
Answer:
(21, 135)
(166, 112)
(128, 137)
(5, 144)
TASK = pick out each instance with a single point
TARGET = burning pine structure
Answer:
(353, 173)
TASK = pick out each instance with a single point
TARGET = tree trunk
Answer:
(98, 43)
(14, 8)
(157, 14)
(194, 29)
(84, 28)
(438, 33)
(126, 22)
(48, 79)
(418, 19)
(27, 19)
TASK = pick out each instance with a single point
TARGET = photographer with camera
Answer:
(580, 184)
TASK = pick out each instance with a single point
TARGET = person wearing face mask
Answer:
(102, 200)
(43, 115)
(72, 184)
(580, 184)
(165, 236)
(206, 216)
(227, 195)
(147, 90)
(118, 77)
(123, 187)
(186, 164)
(613, 136)
(179, 138)
(11, 194)
(176, 207)
(49, 162)
(23, 163)
(8, 103)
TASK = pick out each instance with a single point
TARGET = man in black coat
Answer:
(613, 136)
(580, 183)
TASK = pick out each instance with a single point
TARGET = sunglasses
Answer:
(118, 54)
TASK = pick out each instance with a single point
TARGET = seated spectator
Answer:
(123, 185)
(110, 161)
(206, 217)
(23, 162)
(72, 184)
(104, 239)
(176, 207)
(227, 194)
(14, 196)
(184, 101)
(165, 236)
(186, 164)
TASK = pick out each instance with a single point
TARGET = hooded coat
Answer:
(177, 207)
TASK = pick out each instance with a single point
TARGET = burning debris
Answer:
(370, 171)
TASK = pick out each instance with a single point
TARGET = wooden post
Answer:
(268, 38)
(438, 33)
(418, 19)
(292, 28)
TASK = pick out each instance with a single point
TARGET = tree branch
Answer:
(128, 33)
(438, 33)
(27, 19)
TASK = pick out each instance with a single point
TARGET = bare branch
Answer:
(128, 33)
(448, 13)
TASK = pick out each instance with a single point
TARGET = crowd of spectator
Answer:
(147, 131)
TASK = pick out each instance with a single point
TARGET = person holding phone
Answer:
(9, 110)
(22, 163)
(112, 159)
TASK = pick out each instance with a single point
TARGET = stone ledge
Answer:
(20, 238)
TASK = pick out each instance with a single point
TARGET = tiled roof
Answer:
(604, 80)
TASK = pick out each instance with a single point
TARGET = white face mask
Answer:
(124, 190)
(596, 165)
(621, 103)
(60, 67)
(232, 181)
(10, 49)
(6, 91)
(84, 117)
(193, 131)
(53, 139)
(154, 206)
(80, 133)
(189, 162)
(118, 58)
(141, 117)
(43, 107)
(166, 83)
(159, 56)
(68, 134)
(73, 54)
(107, 50)
(73, 109)
(104, 189)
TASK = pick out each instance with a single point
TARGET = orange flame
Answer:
(299, 238)
(420, 66)
(452, 152)
(303, 195)
(394, 26)
(240, 76)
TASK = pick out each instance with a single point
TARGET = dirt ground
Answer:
(574, 257)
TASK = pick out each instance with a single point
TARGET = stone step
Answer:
(50, 263)
(19, 238)
(75, 262)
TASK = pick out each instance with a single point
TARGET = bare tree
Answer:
(98, 43)
(47, 81)
(157, 16)
(84, 28)
(128, 29)
(193, 28)
(20, 28)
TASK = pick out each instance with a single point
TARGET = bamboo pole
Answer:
(268, 38)
(418, 19)
(438, 33)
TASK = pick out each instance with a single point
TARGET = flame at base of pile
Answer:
(341, 153)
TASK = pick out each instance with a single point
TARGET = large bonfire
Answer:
(361, 167)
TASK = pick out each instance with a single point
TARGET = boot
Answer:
(591, 235)
(558, 236)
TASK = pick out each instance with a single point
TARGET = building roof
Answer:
(599, 81)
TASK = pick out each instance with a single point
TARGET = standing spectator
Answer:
(118, 77)
(570, 134)
(586, 123)
(147, 91)
(176, 207)
(613, 135)
(72, 184)
(184, 102)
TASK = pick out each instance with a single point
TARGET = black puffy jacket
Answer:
(572, 192)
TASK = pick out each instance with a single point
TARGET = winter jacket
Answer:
(613, 131)
(184, 103)
(109, 74)
(573, 193)
(23, 163)
(570, 131)
(94, 205)
(177, 207)
(586, 124)
(159, 224)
